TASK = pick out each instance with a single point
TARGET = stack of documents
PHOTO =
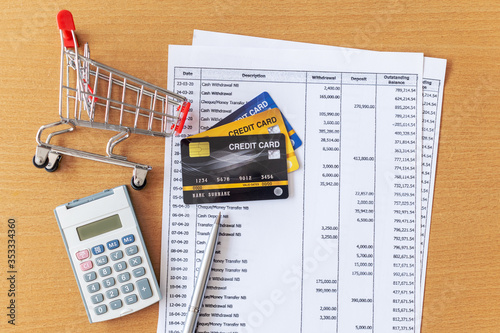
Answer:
(347, 250)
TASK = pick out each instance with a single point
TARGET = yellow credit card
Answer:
(267, 122)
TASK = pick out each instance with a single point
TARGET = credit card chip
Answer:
(199, 149)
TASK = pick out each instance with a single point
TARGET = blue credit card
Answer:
(259, 104)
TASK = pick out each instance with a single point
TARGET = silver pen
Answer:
(202, 279)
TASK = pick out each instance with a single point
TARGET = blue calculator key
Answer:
(135, 261)
(124, 277)
(128, 239)
(98, 298)
(116, 304)
(132, 250)
(101, 309)
(98, 249)
(112, 293)
(113, 244)
(93, 287)
(105, 271)
(90, 276)
(117, 255)
(102, 260)
(109, 282)
(131, 299)
(126, 288)
(139, 272)
(120, 266)
(144, 288)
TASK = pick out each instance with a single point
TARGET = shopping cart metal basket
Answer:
(97, 96)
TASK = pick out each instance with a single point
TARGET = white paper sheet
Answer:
(434, 75)
(433, 87)
(341, 253)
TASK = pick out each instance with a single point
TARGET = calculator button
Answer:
(92, 288)
(128, 239)
(102, 260)
(108, 282)
(116, 304)
(90, 276)
(131, 299)
(117, 255)
(98, 249)
(127, 288)
(144, 288)
(135, 261)
(105, 271)
(139, 272)
(112, 293)
(124, 277)
(131, 250)
(101, 309)
(120, 266)
(97, 298)
(86, 265)
(113, 244)
(82, 255)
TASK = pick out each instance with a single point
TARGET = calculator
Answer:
(107, 254)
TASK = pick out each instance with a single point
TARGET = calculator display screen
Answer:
(99, 227)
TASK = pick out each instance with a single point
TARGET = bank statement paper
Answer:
(432, 89)
(341, 254)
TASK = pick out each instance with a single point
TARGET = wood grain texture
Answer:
(463, 289)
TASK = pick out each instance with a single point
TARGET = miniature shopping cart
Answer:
(97, 96)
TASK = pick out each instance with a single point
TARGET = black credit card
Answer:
(234, 168)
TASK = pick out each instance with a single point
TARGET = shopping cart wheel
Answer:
(138, 188)
(40, 166)
(51, 167)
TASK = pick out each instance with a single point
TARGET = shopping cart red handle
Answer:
(182, 117)
(66, 24)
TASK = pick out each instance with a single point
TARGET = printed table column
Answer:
(397, 239)
(320, 263)
(357, 167)
(233, 280)
(430, 106)
(182, 229)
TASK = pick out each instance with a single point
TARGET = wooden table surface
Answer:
(463, 281)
